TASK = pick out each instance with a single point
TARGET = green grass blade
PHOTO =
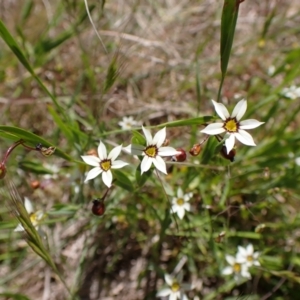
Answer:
(228, 24)
(16, 133)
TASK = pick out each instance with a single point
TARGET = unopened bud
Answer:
(48, 151)
(230, 156)
(2, 170)
(180, 157)
(195, 150)
(92, 152)
(35, 184)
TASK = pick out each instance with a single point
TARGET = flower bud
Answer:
(195, 150)
(35, 184)
(230, 156)
(2, 170)
(98, 208)
(44, 150)
(179, 157)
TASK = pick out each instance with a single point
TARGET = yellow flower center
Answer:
(180, 201)
(250, 258)
(151, 151)
(34, 219)
(231, 125)
(175, 286)
(237, 268)
(105, 164)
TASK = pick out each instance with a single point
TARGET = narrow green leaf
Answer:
(228, 24)
(16, 133)
(123, 181)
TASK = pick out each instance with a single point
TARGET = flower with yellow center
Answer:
(35, 216)
(248, 256)
(232, 125)
(239, 270)
(103, 163)
(180, 204)
(175, 289)
(153, 151)
(128, 123)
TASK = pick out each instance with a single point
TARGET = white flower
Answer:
(180, 203)
(232, 125)
(239, 270)
(271, 70)
(247, 256)
(35, 216)
(104, 163)
(128, 123)
(291, 92)
(175, 289)
(153, 151)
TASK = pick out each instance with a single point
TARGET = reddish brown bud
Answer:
(2, 170)
(98, 208)
(230, 156)
(35, 184)
(195, 150)
(93, 152)
(179, 157)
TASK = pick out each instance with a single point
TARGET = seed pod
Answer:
(179, 157)
(195, 150)
(230, 156)
(98, 208)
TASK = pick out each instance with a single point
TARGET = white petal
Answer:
(213, 129)
(118, 164)
(146, 164)
(183, 296)
(239, 109)
(107, 178)
(174, 208)
(227, 271)
(242, 251)
(102, 151)
(221, 110)
(39, 215)
(19, 228)
(93, 173)
(114, 153)
(159, 137)
(148, 135)
(28, 205)
(134, 149)
(160, 164)
(179, 193)
(167, 151)
(230, 259)
(187, 206)
(244, 137)
(169, 279)
(229, 143)
(91, 160)
(164, 292)
(250, 124)
(256, 263)
(173, 296)
(250, 249)
(180, 212)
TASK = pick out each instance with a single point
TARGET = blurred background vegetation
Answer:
(160, 63)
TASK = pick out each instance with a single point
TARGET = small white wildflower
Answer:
(175, 289)
(104, 163)
(240, 271)
(180, 204)
(247, 256)
(292, 92)
(153, 151)
(128, 123)
(232, 125)
(35, 216)
(271, 70)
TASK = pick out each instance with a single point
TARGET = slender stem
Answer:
(10, 149)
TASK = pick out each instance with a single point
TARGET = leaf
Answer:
(123, 181)
(16, 133)
(228, 24)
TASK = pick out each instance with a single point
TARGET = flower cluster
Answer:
(152, 154)
(240, 264)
